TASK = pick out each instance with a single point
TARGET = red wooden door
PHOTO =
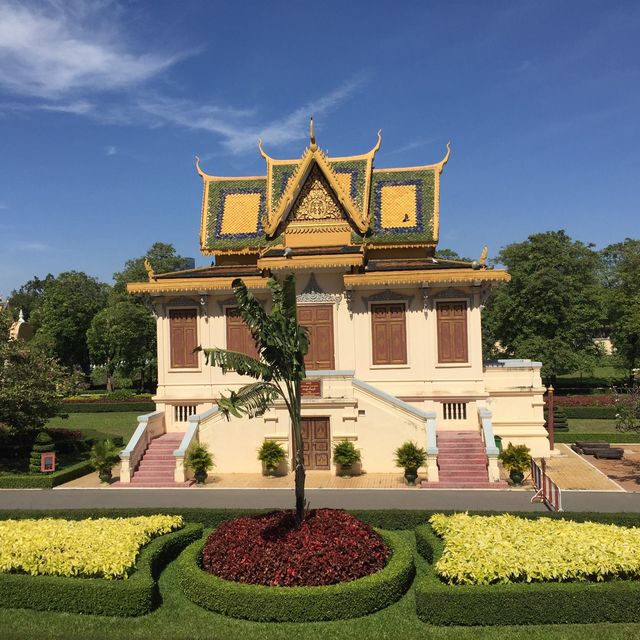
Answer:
(389, 332)
(452, 332)
(318, 318)
(316, 438)
(183, 338)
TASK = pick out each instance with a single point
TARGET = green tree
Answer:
(282, 344)
(32, 384)
(121, 338)
(64, 314)
(162, 257)
(552, 307)
(28, 296)
(620, 276)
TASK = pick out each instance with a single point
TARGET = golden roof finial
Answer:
(201, 173)
(261, 150)
(149, 269)
(312, 136)
(483, 256)
(377, 145)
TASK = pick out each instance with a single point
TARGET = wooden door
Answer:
(316, 438)
(452, 332)
(318, 318)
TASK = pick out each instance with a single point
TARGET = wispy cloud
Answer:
(111, 150)
(31, 246)
(239, 128)
(74, 57)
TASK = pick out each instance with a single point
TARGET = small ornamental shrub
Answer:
(105, 454)
(345, 454)
(199, 460)
(271, 454)
(516, 458)
(410, 456)
(506, 548)
(101, 548)
(328, 547)
(43, 444)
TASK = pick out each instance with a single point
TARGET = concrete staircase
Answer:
(156, 468)
(462, 462)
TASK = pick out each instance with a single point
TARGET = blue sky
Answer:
(103, 106)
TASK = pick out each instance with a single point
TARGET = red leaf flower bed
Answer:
(330, 546)
(585, 400)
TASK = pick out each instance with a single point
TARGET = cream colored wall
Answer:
(516, 402)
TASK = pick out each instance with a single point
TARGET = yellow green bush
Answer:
(506, 548)
(100, 548)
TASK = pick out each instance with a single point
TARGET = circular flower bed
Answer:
(329, 547)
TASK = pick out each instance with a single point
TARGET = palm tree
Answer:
(282, 344)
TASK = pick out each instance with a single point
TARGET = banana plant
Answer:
(282, 344)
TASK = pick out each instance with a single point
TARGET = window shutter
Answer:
(389, 334)
(452, 332)
(183, 337)
(239, 336)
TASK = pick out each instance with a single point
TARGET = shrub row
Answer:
(135, 596)
(595, 400)
(108, 407)
(44, 480)
(519, 603)
(591, 413)
(299, 604)
(610, 436)
(394, 519)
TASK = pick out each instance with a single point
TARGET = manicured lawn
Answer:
(100, 425)
(580, 425)
(178, 618)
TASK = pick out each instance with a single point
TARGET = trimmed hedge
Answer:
(519, 603)
(135, 596)
(45, 480)
(299, 604)
(609, 436)
(107, 407)
(591, 412)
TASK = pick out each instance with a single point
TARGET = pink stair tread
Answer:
(462, 462)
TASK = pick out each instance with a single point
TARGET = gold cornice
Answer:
(406, 245)
(232, 252)
(312, 262)
(195, 284)
(417, 277)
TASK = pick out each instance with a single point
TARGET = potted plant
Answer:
(410, 457)
(345, 455)
(103, 457)
(271, 454)
(199, 460)
(516, 459)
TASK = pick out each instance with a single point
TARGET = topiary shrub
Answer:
(43, 444)
(560, 423)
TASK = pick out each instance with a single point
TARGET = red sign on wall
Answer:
(47, 462)
(311, 389)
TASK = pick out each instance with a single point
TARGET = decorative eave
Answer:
(330, 261)
(471, 277)
(175, 285)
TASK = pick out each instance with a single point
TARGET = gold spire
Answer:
(312, 136)
(147, 265)
(261, 150)
(378, 143)
(483, 256)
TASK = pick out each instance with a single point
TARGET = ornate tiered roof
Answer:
(341, 201)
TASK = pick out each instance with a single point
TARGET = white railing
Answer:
(493, 470)
(190, 435)
(150, 425)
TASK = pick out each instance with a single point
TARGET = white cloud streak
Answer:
(46, 51)
(65, 56)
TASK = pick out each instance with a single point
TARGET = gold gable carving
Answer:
(316, 201)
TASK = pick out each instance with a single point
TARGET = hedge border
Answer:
(299, 604)
(107, 407)
(610, 436)
(518, 603)
(45, 481)
(135, 596)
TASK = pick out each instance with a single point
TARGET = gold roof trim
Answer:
(311, 262)
(444, 276)
(195, 284)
